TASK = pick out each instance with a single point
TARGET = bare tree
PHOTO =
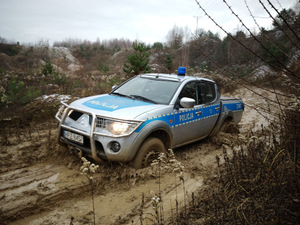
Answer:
(175, 37)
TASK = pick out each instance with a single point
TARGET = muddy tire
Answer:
(148, 151)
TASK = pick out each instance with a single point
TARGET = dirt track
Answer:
(42, 184)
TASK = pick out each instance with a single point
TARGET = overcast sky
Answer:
(149, 21)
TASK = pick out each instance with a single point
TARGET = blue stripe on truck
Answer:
(232, 107)
(112, 103)
(183, 117)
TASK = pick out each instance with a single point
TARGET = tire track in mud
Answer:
(33, 176)
(55, 193)
(36, 188)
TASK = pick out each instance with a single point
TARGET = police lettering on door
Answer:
(186, 117)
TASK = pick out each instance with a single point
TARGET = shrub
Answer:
(59, 78)
(138, 61)
(30, 95)
(15, 88)
(103, 68)
(3, 96)
(47, 68)
(103, 87)
(10, 49)
(158, 45)
(168, 61)
(259, 183)
(18, 93)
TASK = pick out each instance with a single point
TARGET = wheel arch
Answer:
(229, 118)
(225, 118)
(158, 129)
(162, 135)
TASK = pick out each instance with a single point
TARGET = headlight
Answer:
(115, 127)
(119, 128)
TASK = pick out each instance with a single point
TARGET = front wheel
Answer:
(148, 152)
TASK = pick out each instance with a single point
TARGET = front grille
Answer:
(101, 122)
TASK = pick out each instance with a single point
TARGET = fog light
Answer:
(115, 146)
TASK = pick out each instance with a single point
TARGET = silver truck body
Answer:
(114, 126)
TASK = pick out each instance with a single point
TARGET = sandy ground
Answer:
(41, 183)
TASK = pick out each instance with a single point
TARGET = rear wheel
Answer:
(148, 152)
(229, 127)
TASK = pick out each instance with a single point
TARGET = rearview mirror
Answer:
(187, 102)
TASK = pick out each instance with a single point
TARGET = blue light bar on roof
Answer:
(181, 71)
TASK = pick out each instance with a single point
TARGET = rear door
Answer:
(209, 101)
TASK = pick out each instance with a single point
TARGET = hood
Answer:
(115, 106)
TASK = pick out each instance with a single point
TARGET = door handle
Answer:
(198, 113)
(217, 108)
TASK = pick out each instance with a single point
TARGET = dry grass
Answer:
(258, 184)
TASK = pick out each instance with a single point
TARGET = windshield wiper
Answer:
(122, 95)
(143, 98)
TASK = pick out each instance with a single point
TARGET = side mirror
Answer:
(187, 102)
(114, 87)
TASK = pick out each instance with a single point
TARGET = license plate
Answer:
(73, 137)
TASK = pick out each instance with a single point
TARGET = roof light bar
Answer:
(181, 71)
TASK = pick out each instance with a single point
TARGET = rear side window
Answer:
(206, 92)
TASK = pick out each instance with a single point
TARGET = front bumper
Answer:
(92, 143)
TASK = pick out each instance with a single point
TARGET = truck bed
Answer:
(223, 98)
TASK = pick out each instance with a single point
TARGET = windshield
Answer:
(148, 89)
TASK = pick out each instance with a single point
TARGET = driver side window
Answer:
(189, 91)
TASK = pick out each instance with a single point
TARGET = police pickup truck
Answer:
(145, 116)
